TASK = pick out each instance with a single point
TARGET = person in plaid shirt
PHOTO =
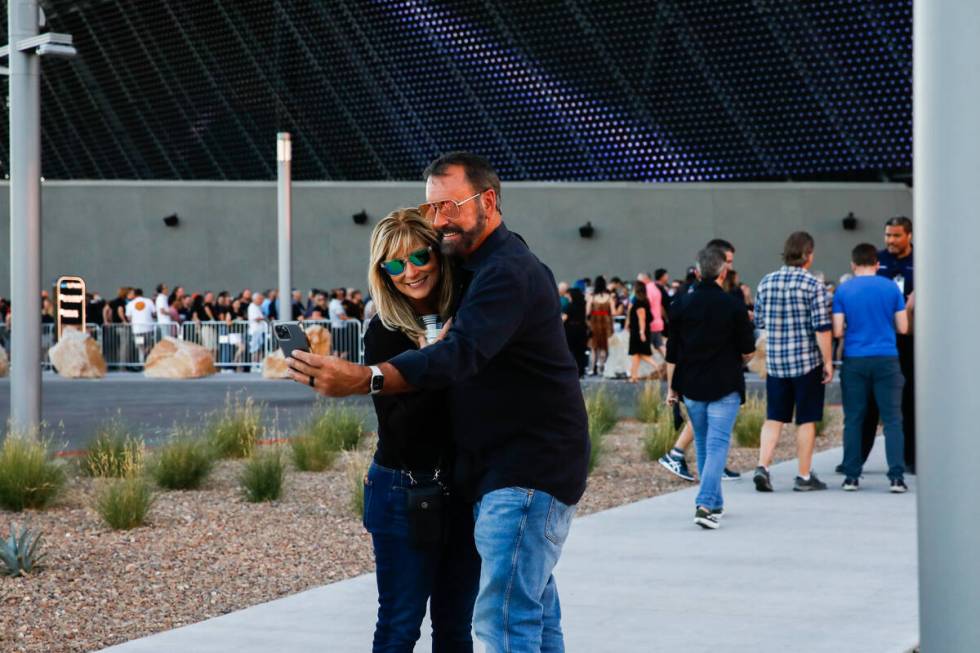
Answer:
(793, 306)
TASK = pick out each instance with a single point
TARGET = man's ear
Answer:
(489, 199)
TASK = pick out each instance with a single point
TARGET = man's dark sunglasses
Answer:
(418, 258)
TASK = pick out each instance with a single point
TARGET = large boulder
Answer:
(274, 365)
(179, 359)
(758, 362)
(4, 363)
(77, 356)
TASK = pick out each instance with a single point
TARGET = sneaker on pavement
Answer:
(706, 518)
(676, 466)
(850, 484)
(761, 479)
(730, 475)
(809, 485)
(898, 486)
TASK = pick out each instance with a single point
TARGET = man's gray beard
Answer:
(466, 238)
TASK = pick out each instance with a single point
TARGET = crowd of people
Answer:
(164, 313)
(710, 324)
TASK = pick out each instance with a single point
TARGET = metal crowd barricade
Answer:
(232, 346)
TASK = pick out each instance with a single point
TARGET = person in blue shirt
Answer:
(868, 312)
(896, 262)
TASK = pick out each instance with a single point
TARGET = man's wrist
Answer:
(364, 383)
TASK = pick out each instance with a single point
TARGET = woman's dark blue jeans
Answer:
(410, 576)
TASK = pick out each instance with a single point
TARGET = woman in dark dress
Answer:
(640, 319)
(412, 287)
(576, 330)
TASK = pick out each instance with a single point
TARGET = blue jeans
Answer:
(409, 576)
(519, 534)
(712, 422)
(859, 379)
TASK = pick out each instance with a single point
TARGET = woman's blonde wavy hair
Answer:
(401, 231)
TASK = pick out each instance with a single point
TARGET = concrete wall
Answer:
(112, 233)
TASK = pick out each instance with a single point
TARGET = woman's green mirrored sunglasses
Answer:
(418, 258)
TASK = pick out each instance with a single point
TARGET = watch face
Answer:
(377, 382)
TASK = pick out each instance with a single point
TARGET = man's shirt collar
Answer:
(493, 242)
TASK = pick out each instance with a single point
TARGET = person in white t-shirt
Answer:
(142, 316)
(336, 309)
(256, 327)
(163, 311)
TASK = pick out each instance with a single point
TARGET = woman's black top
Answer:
(413, 428)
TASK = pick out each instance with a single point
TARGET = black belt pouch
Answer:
(426, 508)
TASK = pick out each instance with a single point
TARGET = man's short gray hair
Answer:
(711, 261)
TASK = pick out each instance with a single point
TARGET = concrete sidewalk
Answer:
(827, 571)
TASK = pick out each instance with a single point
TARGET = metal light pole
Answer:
(284, 189)
(947, 157)
(24, 50)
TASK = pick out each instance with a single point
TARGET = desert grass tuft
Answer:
(123, 503)
(659, 436)
(263, 476)
(748, 424)
(112, 451)
(356, 469)
(235, 431)
(28, 476)
(338, 427)
(602, 413)
(649, 403)
(183, 462)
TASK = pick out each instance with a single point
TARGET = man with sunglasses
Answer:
(518, 414)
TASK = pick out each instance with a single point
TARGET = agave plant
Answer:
(21, 555)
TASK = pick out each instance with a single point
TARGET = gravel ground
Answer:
(208, 552)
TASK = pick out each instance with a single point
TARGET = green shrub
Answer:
(355, 469)
(21, 555)
(113, 451)
(336, 427)
(659, 436)
(183, 463)
(234, 432)
(602, 410)
(649, 403)
(124, 502)
(312, 454)
(748, 424)
(263, 475)
(602, 413)
(28, 478)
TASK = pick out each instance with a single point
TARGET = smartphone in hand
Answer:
(291, 337)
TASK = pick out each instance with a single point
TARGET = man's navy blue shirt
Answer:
(890, 266)
(516, 402)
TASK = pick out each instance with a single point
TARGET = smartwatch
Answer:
(377, 380)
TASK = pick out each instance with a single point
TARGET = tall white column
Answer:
(284, 188)
(25, 219)
(947, 204)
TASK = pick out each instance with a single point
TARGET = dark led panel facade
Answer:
(630, 90)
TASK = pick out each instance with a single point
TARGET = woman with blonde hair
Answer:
(421, 532)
